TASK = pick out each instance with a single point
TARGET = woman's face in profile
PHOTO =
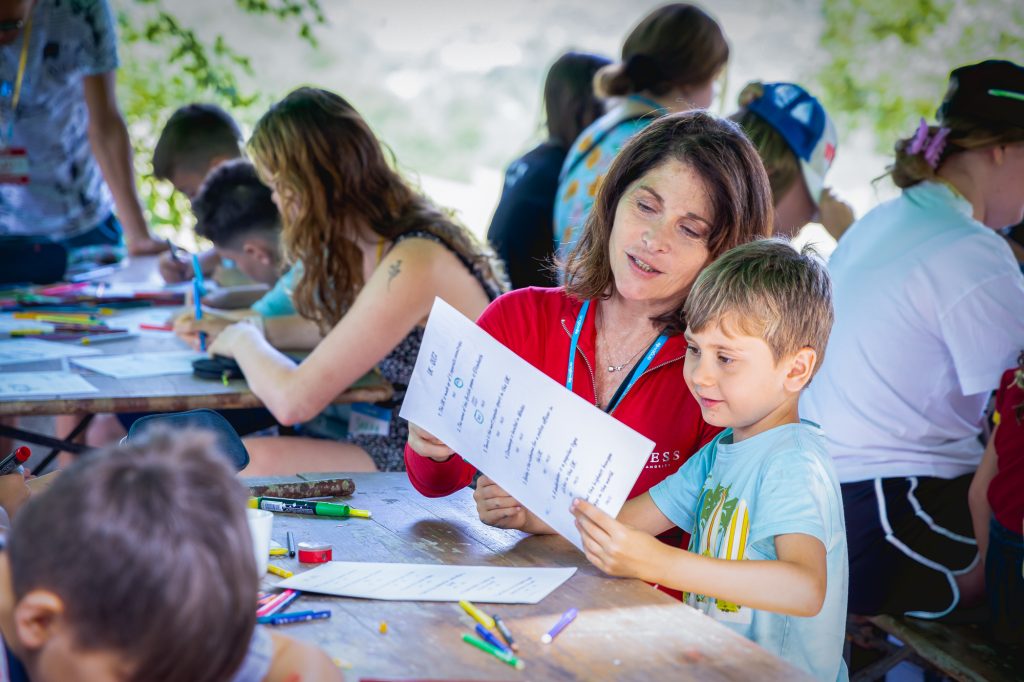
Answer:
(658, 242)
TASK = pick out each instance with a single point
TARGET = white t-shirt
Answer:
(929, 312)
(66, 194)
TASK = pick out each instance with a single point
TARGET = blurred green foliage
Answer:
(165, 64)
(888, 62)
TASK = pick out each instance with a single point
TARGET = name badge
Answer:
(13, 166)
(369, 420)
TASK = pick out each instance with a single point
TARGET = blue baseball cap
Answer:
(805, 126)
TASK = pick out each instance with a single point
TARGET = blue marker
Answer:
(488, 637)
(297, 617)
(198, 291)
(196, 295)
(198, 272)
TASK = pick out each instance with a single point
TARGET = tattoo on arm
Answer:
(393, 271)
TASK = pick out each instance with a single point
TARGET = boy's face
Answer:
(35, 629)
(737, 382)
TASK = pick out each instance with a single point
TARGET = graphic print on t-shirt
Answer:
(723, 524)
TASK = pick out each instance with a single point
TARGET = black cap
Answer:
(988, 92)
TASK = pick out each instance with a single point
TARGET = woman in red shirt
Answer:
(683, 191)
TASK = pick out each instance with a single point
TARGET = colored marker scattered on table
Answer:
(14, 460)
(505, 632)
(500, 654)
(278, 551)
(278, 571)
(297, 617)
(563, 622)
(476, 614)
(101, 338)
(280, 605)
(489, 637)
(271, 606)
(291, 543)
(309, 507)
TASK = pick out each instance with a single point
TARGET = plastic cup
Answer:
(261, 524)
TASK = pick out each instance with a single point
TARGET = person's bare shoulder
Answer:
(296, 661)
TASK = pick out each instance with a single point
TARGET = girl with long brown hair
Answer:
(374, 254)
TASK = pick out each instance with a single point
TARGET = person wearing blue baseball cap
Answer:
(929, 308)
(797, 142)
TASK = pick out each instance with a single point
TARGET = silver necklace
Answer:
(619, 368)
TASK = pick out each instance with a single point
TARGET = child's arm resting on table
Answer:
(793, 584)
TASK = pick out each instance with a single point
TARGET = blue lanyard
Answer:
(640, 368)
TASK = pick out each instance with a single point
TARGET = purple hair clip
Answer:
(930, 148)
(935, 147)
(917, 143)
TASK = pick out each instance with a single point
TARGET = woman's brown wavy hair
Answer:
(334, 179)
(737, 185)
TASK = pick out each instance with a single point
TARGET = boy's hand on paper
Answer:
(614, 547)
(425, 444)
(174, 270)
(187, 327)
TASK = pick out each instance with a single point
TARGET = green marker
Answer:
(283, 504)
(502, 656)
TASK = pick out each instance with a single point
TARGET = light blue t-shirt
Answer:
(278, 301)
(734, 498)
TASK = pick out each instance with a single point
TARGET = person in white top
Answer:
(929, 312)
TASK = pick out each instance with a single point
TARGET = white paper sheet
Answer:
(543, 444)
(137, 365)
(14, 385)
(14, 351)
(431, 582)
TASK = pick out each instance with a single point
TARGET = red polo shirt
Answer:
(537, 324)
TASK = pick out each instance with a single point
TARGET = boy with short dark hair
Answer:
(137, 565)
(761, 501)
(236, 211)
(196, 139)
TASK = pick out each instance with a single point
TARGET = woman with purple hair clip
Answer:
(929, 306)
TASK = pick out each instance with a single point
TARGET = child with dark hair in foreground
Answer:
(137, 565)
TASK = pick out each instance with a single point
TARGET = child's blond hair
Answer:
(765, 288)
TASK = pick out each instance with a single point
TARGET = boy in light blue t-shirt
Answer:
(767, 552)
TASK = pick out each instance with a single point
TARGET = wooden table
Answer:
(171, 393)
(626, 629)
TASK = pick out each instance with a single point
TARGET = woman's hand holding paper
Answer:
(427, 445)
